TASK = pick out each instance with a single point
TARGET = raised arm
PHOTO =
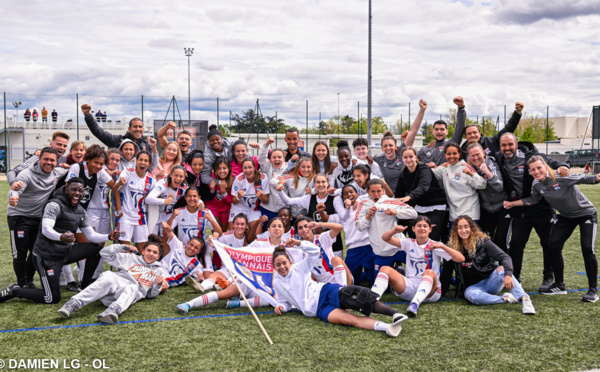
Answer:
(110, 140)
(461, 120)
(162, 133)
(389, 236)
(416, 125)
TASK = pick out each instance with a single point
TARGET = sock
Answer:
(381, 283)
(423, 290)
(380, 326)
(381, 308)
(207, 284)
(207, 299)
(68, 273)
(339, 272)
(254, 302)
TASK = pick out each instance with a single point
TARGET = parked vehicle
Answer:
(579, 158)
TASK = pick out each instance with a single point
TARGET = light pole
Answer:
(188, 53)
(16, 104)
(339, 122)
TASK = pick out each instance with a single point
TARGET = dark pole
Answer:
(547, 126)
(76, 113)
(188, 53)
(369, 123)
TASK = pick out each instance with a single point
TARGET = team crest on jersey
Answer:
(20, 234)
(398, 162)
(50, 272)
(521, 168)
(487, 151)
(556, 186)
(428, 153)
(457, 176)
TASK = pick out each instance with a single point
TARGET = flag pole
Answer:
(249, 307)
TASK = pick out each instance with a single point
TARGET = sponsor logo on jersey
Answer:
(20, 234)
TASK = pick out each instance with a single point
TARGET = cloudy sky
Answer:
(494, 52)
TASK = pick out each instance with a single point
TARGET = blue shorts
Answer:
(360, 258)
(329, 300)
(381, 261)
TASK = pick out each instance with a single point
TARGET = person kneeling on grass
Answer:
(423, 257)
(137, 277)
(295, 288)
(486, 269)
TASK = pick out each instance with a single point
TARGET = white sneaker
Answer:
(394, 329)
(527, 306)
(508, 297)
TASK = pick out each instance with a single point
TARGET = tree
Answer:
(249, 122)
(348, 125)
(533, 129)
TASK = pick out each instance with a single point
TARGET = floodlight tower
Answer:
(369, 125)
(188, 53)
(16, 104)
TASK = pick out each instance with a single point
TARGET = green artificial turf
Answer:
(448, 335)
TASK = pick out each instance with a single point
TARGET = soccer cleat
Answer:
(546, 283)
(66, 310)
(591, 295)
(73, 287)
(399, 317)
(528, 308)
(221, 284)
(110, 315)
(400, 269)
(555, 289)
(233, 303)
(194, 284)
(508, 297)
(183, 308)
(7, 293)
(412, 310)
(394, 329)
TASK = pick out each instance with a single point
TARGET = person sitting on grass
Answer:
(180, 262)
(295, 288)
(486, 269)
(423, 255)
(137, 277)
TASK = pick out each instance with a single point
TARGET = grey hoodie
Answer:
(37, 188)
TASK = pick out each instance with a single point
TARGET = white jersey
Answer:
(250, 201)
(228, 238)
(161, 191)
(421, 257)
(98, 198)
(192, 224)
(275, 203)
(354, 238)
(133, 194)
(323, 270)
(295, 192)
(177, 265)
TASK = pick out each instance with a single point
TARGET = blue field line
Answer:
(198, 317)
(580, 273)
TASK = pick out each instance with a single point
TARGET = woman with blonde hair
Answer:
(486, 268)
(575, 209)
(170, 157)
(299, 182)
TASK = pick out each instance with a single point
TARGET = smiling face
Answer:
(291, 139)
(239, 227)
(304, 232)
(389, 148)
(95, 165)
(151, 253)
(463, 229)
(361, 152)
(305, 168)
(240, 151)
(375, 192)
(452, 155)
(321, 184)
(60, 145)
(538, 170)
(222, 171)
(136, 129)
(360, 178)
(508, 146)
(74, 192)
(350, 194)
(177, 178)
(248, 168)
(197, 165)
(113, 161)
(286, 217)
(216, 143)
(409, 158)
(472, 133)
(282, 265)
(142, 163)
(193, 248)
(422, 230)
(128, 151)
(476, 156)
(277, 159)
(345, 158)
(47, 162)
(321, 152)
(185, 142)
(191, 198)
(440, 132)
(171, 151)
(77, 153)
